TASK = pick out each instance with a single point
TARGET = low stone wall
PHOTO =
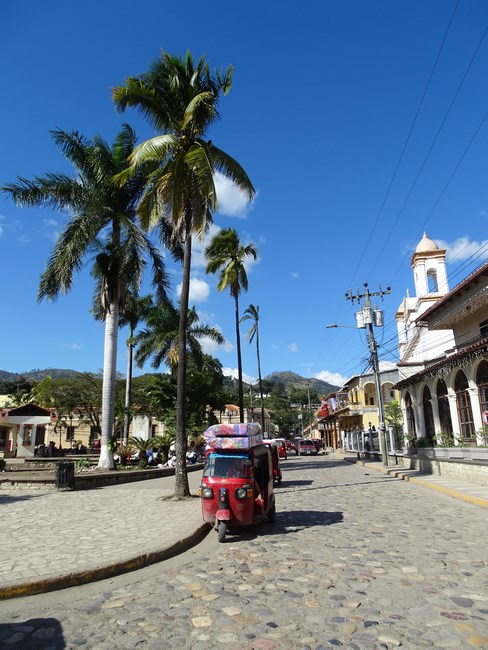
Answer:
(461, 469)
(84, 480)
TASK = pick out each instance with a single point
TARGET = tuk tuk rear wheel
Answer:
(222, 530)
(272, 513)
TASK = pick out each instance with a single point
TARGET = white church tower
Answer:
(416, 344)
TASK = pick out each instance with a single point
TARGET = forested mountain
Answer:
(290, 380)
(36, 375)
(287, 379)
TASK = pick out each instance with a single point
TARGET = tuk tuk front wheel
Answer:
(222, 530)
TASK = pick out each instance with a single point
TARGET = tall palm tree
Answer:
(252, 313)
(226, 254)
(134, 310)
(160, 338)
(179, 97)
(103, 225)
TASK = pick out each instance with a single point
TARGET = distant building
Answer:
(349, 415)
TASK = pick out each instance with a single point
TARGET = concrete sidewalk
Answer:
(469, 492)
(53, 540)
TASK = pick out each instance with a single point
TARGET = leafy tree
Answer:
(394, 416)
(225, 254)
(103, 224)
(252, 313)
(160, 338)
(135, 308)
(180, 98)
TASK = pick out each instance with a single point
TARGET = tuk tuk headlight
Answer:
(243, 492)
(205, 492)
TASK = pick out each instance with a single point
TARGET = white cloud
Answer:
(233, 372)
(463, 247)
(199, 291)
(293, 347)
(331, 377)
(198, 247)
(210, 347)
(72, 346)
(294, 275)
(232, 201)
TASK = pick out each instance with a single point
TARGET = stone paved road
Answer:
(355, 559)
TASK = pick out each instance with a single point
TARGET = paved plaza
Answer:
(356, 558)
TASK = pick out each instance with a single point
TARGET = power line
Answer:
(378, 257)
(392, 180)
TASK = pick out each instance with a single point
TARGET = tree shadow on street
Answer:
(48, 634)
(10, 498)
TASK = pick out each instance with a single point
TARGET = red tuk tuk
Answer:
(237, 481)
(275, 457)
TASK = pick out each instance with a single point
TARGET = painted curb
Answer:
(35, 587)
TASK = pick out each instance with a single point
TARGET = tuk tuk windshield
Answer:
(228, 465)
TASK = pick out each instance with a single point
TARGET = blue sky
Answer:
(360, 123)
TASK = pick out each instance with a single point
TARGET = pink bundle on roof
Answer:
(238, 430)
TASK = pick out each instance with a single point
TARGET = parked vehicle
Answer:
(237, 487)
(292, 445)
(281, 447)
(318, 443)
(306, 447)
(275, 457)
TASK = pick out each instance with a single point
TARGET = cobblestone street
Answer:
(355, 559)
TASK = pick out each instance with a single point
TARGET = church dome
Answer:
(426, 245)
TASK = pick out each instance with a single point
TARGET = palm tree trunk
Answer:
(260, 384)
(182, 488)
(109, 376)
(128, 387)
(239, 363)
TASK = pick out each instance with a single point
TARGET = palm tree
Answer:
(226, 254)
(180, 99)
(134, 310)
(160, 337)
(103, 225)
(252, 313)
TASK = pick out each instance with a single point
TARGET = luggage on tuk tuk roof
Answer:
(233, 436)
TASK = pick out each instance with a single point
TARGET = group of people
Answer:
(50, 450)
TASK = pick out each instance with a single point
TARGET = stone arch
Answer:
(370, 394)
(482, 383)
(463, 403)
(432, 283)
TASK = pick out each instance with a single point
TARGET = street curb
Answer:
(469, 498)
(101, 573)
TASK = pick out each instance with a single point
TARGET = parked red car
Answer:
(306, 447)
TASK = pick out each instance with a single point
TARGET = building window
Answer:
(428, 415)
(463, 402)
(40, 435)
(94, 433)
(444, 410)
(410, 416)
(70, 433)
(432, 281)
(3, 437)
(484, 328)
(482, 382)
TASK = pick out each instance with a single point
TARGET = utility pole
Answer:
(365, 319)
